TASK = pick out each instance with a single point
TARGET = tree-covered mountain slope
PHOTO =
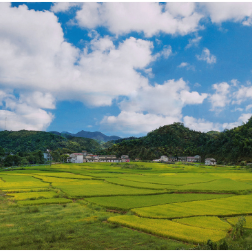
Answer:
(176, 140)
(26, 141)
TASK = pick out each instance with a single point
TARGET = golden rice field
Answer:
(189, 203)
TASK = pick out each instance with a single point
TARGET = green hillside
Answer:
(232, 145)
(28, 141)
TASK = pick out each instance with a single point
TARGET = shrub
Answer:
(211, 245)
(243, 163)
(223, 245)
(238, 229)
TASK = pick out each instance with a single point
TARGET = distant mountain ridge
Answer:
(88, 134)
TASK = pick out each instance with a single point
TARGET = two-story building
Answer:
(210, 161)
(75, 158)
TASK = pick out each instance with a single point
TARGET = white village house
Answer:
(75, 158)
(88, 157)
(210, 161)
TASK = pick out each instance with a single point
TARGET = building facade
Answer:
(210, 161)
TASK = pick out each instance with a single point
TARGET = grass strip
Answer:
(44, 201)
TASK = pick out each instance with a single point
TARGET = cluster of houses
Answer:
(197, 159)
(89, 157)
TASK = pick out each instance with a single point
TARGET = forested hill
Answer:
(176, 140)
(233, 145)
(27, 141)
(170, 140)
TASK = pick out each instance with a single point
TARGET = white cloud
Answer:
(245, 117)
(63, 6)
(166, 52)
(237, 109)
(235, 82)
(242, 94)
(17, 114)
(148, 71)
(206, 56)
(242, 119)
(166, 99)
(183, 64)
(35, 57)
(38, 100)
(197, 85)
(220, 98)
(187, 66)
(131, 122)
(232, 11)
(151, 18)
(248, 107)
(205, 126)
(200, 124)
(161, 103)
(193, 42)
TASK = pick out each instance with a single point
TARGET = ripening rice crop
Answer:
(129, 202)
(217, 185)
(63, 175)
(136, 184)
(209, 222)
(234, 220)
(98, 188)
(176, 180)
(32, 195)
(8, 182)
(55, 180)
(169, 229)
(26, 190)
(44, 201)
(234, 205)
(236, 176)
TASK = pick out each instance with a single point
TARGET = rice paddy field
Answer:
(133, 205)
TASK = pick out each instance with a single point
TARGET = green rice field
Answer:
(137, 205)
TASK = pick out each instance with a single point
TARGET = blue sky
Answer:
(125, 68)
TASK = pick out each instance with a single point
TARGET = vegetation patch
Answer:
(129, 202)
(32, 195)
(208, 222)
(235, 205)
(44, 201)
(234, 220)
(169, 229)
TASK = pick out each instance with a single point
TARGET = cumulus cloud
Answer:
(35, 56)
(63, 6)
(242, 119)
(17, 114)
(248, 107)
(205, 126)
(37, 62)
(151, 18)
(220, 99)
(233, 11)
(183, 64)
(193, 42)
(186, 65)
(131, 122)
(242, 94)
(206, 56)
(163, 103)
(200, 124)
